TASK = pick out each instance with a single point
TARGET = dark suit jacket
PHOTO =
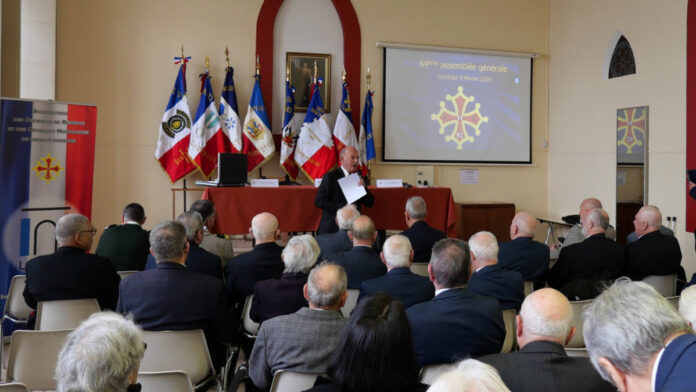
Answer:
(274, 297)
(333, 243)
(198, 260)
(401, 284)
(127, 246)
(170, 297)
(330, 199)
(544, 366)
(675, 372)
(361, 263)
(526, 256)
(422, 238)
(596, 258)
(653, 254)
(455, 325)
(243, 271)
(70, 273)
(493, 281)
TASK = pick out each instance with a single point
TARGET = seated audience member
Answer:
(422, 236)
(170, 297)
(211, 242)
(544, 327)
(375, 352)
(399, 282)
(339, 242)
(633, 237)
(456, 323)
(102, 355)
(582, 268)
(303, 341)
(487, 278)
(274, 297)
(522, 254)
(687, 305)
(70, 272)
(198, 260)
(653, 253)
(470, 375)
(361, 262)
(263, 262)
(638, 341)
(126, 245)
(576, 234)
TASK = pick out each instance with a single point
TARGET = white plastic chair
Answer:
(352, 300)
(125, 274)
(577, 352)
(674, 301)
(528, 287)
(287, 381)
(664, 284)
(14, 387)
(430, 373)
(420, 269)
(510, 335)
(578, 307)
(251, 327)
(173, 381)
(33, 357)
(64, 314)
(16, 308)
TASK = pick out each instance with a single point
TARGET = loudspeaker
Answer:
(232, 169)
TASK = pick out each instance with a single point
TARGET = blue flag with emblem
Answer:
(367, 142)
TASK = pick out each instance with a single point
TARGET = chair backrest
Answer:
(125, 274)
(674, 301)
(15, 306)
(510, 335)
(420, 269)
(14, 387)
(352, 300)
(64, 314)
(33, 357)
(251, 327)
(664, 284)
(578, 307)
(577, 352)
(177, 350)
(430, 373)
(286, 381)
(528, 287)
(174, 381)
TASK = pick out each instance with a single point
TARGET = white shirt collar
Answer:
(345, 172)
(438, 292)
(132, 223)
(655, 366)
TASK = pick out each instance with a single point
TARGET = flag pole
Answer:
(368, 77)
(227, 57)
(183, 60)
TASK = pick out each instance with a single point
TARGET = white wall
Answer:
(583, 103)
(37, 65)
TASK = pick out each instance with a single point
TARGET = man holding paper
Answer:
(340, 187)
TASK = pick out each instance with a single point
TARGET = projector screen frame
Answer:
(530, 56)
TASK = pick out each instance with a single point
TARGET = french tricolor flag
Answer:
(314, 152)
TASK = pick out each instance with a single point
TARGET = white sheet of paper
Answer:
(350, 188)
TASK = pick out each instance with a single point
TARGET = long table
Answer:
(294, 207)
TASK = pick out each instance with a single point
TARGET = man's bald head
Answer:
(350, 159)
(363, 231)
(326, 286)
(546, 314)
(264, 227)
(523, 225)
(589, 204)
(647, 220)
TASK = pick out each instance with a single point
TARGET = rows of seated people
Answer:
(453, 313)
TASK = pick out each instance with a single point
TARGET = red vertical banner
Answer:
(79, 177)
(691, 116)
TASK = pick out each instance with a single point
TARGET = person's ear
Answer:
(344, 298)
(430, 273)
(152, 252)
(518, 325)
(350, 235)
(381, 256)
(304, 292)
(570, 335)
(617, 376)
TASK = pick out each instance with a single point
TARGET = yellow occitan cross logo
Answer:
(460, 118)
(47, 168)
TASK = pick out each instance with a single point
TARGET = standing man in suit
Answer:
(456, 323)
(219, 246)
(544, 327)
(422, 236)
(638, 341)
(126, 245)
(522, 254)
(399, 282)
(653, 253)
(339, 242)
(171, 297)
(263, 262)
(582, 267)
(70, 272)
(330, 197)
(361, 262)
(198, 260)
(487, 278)
(303, 341)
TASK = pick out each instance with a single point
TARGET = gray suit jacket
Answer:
(301, 342)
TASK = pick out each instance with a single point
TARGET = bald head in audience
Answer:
(546, 315)
(595, 221)
(264, 228)
(484, 249)
(362, 231)
(75, 230)
(326, 287)
(589, 204)
(346, 215)
(397, 252)
(523, 225)
(647, 220)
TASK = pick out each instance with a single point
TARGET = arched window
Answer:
(622, 60)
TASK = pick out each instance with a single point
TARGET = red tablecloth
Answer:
(295, 210)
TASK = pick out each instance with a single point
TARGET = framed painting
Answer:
(301, 66)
